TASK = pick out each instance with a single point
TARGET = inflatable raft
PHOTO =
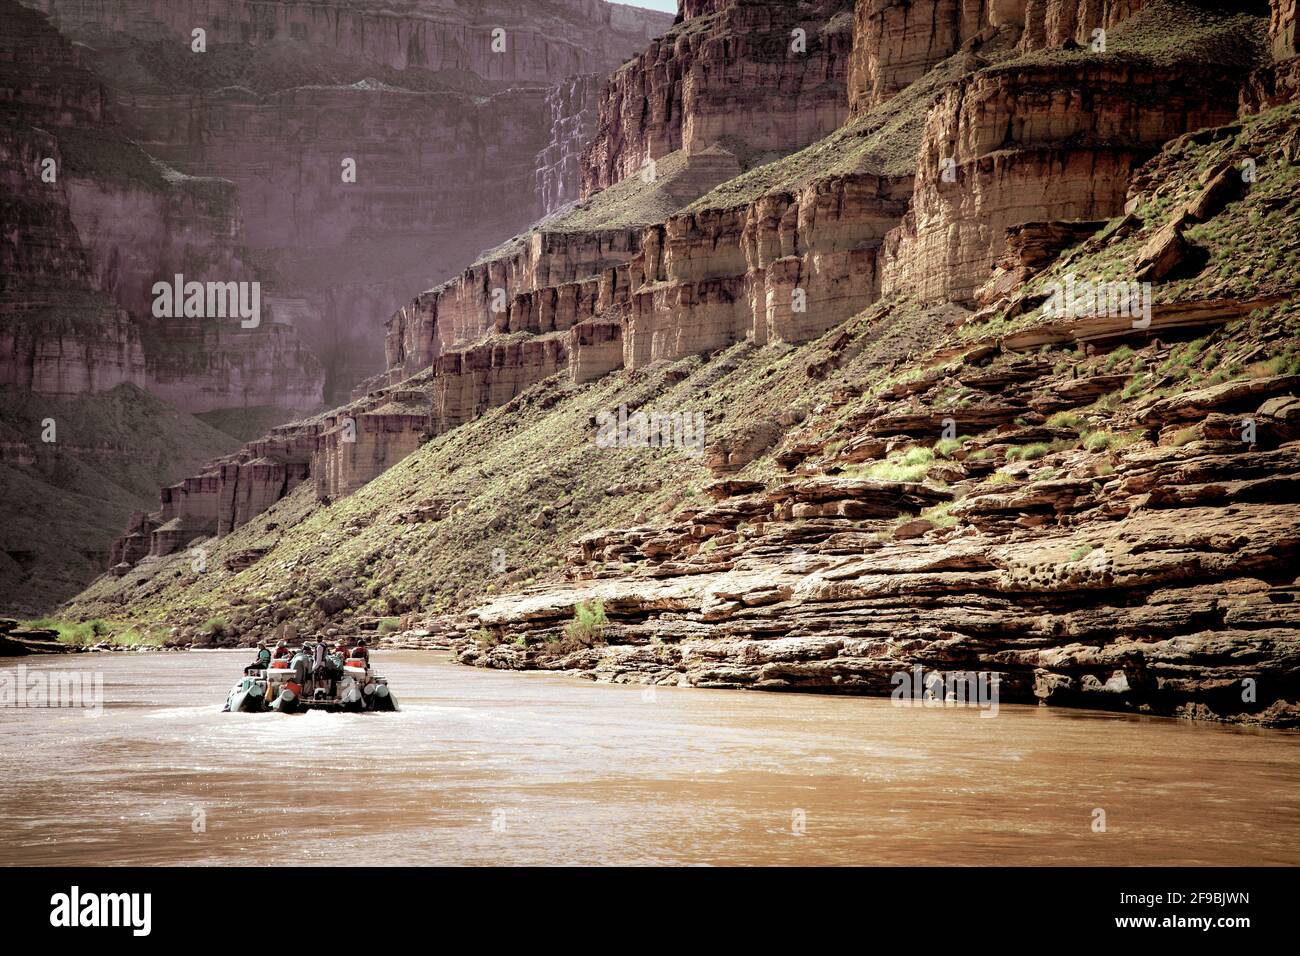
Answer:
(291, 686)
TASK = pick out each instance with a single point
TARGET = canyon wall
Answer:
(1045, 142)
(897, 41)
(1278, 82)
(1282, 29)
(92, 224)
(1005, 146)
(437, 176)
(225, 494)
(499, 294)
(572, 106)
(729, 73)
(448, 134)
(557, 39)
(785, 267)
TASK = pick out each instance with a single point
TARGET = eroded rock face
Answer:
(1154, 578)
(94, 226)
(1278, 82)
(468, 383)
(562, 39)
(784, 268)
(572, 107)
(354, 449)
(1282, 29)
(627, 296)
(712, 79)
(344, 449)
(898, 41)
(60, 335)
(503, 294)
(1014, 145)
(354, 251)
(228, 493)
(70, 349)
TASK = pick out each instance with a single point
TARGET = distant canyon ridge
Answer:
(345, 156)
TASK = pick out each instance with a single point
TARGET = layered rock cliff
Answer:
(571, 106)
(715, 78)
(896, 42)
(555, 39)
(373, 149)
(95, 222)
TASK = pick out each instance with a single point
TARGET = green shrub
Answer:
(217, 626)
(80, 633)
(939, 516)
(1065, 420)
(588, 624)
(388, 624)
(1136, 385)
(913, 465)
(1100, 441)
(1288, 363)
(947, 447)
(1079, 553)
(1027, 452)
(1118, 357)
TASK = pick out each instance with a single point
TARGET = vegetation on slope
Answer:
(66, 501)
(522, 482)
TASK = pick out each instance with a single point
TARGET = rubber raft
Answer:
(291, 687)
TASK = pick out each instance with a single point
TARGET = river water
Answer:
(484, 767)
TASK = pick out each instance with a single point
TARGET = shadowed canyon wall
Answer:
(457, 136)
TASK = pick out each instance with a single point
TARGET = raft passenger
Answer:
(263, 659)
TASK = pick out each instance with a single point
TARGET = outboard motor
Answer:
(289, 700)
(350, 696)
(379, 698)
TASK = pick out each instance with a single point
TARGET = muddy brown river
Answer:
(485, 767)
